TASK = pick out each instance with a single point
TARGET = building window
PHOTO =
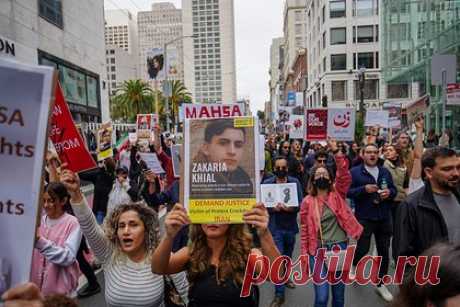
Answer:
(365, 7)
(365, 34)
(112, 60)
(371, 89)
(338, 36)
(337, 9)
(366, 60)
(298, 29)
(324, 40)
(338, 62)
(324, 64)
(398, 90)
(112, 68)
(51, 10)
(339, 90)
(324, 13)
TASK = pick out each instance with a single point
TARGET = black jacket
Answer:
(103, 182)
(419, 223)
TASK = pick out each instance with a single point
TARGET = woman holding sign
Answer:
(216, 258)
(124, 248)
(327, 221)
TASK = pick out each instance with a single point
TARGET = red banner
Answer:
(68, 142)
(316, 125)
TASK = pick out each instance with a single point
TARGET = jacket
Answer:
(419, 223)
(103, 182)
(284, 220)
(336, 202)
(365, 208)
(399, 175)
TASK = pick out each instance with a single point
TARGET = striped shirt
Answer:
(127, 283)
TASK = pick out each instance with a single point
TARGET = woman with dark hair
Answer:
(327, 220)
(432, 140)
(54, 263)
(394, 164)
(216, 257)
(284, 149)
(444, 294)
(155, 65)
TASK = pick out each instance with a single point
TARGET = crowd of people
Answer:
(402, 195)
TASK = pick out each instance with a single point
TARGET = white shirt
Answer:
(374, 171)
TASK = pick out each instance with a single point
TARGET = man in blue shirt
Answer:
(283, 221)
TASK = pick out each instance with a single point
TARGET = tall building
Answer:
(121, 48)
(342, 37)
(294, 19)
(209, 57)
(275, 83)
(68, 35)
(157, 27)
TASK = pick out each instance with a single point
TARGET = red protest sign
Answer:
(316, 125)
(68, 142)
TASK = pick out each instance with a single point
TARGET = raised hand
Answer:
(175, 220)
(257, 217)
(72, 182)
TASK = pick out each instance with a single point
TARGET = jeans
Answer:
(382, 230)
(322, 291)
(285, 242)
(100, 217)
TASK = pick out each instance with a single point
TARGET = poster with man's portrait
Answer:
(221, 172)
(145, 124)
(104, 142)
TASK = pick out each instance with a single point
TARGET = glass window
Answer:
(324, 13)
(324, 39)
(365, 59)
(338, 62)
(338, 36)
(112, 60)
(51, 10)
(337, 8)
(364, 34)
(73, 85)
(365, 7)
(398, 91)
(91, 83)
(371, 89)
(339, 90)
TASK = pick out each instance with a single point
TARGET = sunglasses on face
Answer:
(280, 168)
(321, 161)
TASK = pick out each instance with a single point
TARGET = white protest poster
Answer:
(151, 159)
(132, 138)
(285, 193)
(297, 127)
(377, 118)
(25, 102)
(262, 152)
(341, 124)
(176, 159)
(299, 99)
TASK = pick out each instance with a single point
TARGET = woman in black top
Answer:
(215, 258)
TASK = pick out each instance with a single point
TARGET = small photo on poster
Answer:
(273, 194)
(145, 124)
(104, 142)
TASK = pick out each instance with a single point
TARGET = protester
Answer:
(416, 176)
(326, 220)
(394, 164)
(124, 249)
(215, 258)
(122, 192)
(444, 294)
(432, 139)
(430, 214)
(404, 142)
(284, 149)
(283, 222)
(372, 191)
(28, 295)
(54, 263)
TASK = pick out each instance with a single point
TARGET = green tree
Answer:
(180, 95)
(134, 97)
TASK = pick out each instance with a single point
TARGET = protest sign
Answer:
(176, 159)
(25, 105)
(214, 110)
(299, 99)
(104, 142)
(68, 142)
(145, 124)
(297, 127)
(453, 94)
(420, 106)
(273, 194)
(341, 124)
(377, 118)
(394, 114)
(316, 124)
(132, 138)
(261, 152)
(220, 168)
(291, 98)
(152, 162)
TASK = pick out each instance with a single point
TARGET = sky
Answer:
(257, 22)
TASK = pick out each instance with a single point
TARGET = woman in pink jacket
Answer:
(54, 265)
(327, 220)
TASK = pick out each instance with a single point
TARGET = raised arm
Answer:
(342, 175)
(92, 231)
(418, 150)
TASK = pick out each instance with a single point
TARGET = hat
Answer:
(122, 170)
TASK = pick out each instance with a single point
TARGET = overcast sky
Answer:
(257, 22)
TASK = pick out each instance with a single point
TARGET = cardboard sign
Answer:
(176, 159)
(453, 94)
(221, 171)
(316, 124)
(66, 139)
(214, 110)
(104, 142)
(273, 194)
(297, 127)
(151, 159)
(377, 118)
(145, 124)
(341, 124)
(25, 104)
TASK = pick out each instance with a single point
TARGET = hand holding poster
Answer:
(221, 163)
(104, 142)
(151, 159)
(24, 113)
(273, 194)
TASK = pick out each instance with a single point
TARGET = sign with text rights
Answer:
(68, 142)
(25, 103)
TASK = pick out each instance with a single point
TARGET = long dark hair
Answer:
(311, 188)
(58, 191)
(413, 295)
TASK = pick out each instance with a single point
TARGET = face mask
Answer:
(280, 173)
(322, 183)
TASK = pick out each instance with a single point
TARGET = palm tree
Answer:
(180, 95)
(134, 97)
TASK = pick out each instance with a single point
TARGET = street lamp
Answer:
(167, 89)
(361, 81)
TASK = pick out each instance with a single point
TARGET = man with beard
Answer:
(432, 213)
